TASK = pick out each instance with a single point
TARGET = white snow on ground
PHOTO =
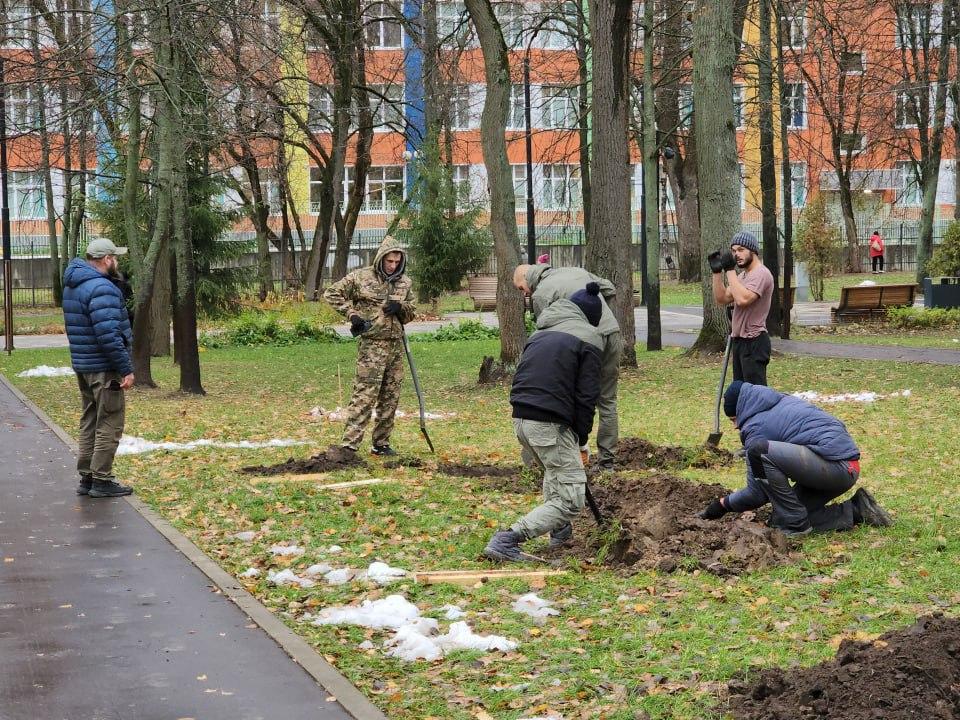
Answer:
(544, 717)
(452, 612)
(334, 549)
(288, 577)
(864, 397)
(383, 574)
(340, 413)
(46, 371)
(318, 569)
(286, 550)
(245, 536)
(250, 573)
(339, 577)
(415, 637)
(130, 445)
(534, 606)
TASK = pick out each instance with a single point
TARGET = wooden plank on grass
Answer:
(314, 477)
(537, 578)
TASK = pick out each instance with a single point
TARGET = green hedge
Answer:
(912, 318)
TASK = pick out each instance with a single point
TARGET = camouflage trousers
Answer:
(376, 388)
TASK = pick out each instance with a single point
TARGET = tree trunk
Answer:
(503, 217)
(687, 214)
(651, 184)
(609, 254)
(851, 250)
(160, 309)
(714, 55)
(56, 277)
(768, 173)
(583, 118)
(786, 179)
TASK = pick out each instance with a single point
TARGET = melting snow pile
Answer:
(250, 573)
(289, 577)
(135, 446)
(415, 637)
(286, 550)
(46, 371)
(534, 606)
(864, 397)
(378, 572)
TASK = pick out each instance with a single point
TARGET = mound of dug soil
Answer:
(330, 460)
(661, 530)
(640, 454)
(497, 478)
(912, 673)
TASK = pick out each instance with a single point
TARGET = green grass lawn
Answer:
(35, 321)
(615, 633)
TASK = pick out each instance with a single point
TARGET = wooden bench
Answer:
(483, 291)
(871, 301)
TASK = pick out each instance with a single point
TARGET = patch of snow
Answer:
(866, 283)
(130, 445)
(366, 645)
(46, 371)
(544, 717)
(409, 644)
(334, 549)
(339, 577)
(452, 612)
(534, 606)
(392, 612)
(246, 535)
(250, 573)
(318, 569)
(863, 397)
(289, 577)
(461, 637)
(383, 574)
(284, 550)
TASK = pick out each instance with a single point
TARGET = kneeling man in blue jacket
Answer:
(786, 439)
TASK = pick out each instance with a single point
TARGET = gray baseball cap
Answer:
(101, 248)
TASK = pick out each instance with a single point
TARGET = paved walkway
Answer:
(680, 325)
(101, 617)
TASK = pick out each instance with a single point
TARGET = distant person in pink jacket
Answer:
(876, 252)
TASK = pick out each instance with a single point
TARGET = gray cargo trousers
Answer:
(557, 450)
(608, 427)
(101, 423)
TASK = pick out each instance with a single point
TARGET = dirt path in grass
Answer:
(909, 673)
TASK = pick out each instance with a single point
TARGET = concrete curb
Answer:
(352, 700)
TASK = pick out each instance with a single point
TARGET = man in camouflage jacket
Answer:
(376, 300)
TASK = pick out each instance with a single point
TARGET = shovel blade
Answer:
(714, 439)
(426, 437)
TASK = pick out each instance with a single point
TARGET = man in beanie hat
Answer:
(786, 439)
(750, 293)
(554, 395)
(544, 285)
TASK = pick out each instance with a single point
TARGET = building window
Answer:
(386, 105)
(19, 20)
(270, 187)
(559, 25)
(561, 187)
(384, 188)
(510, 16)
(22, 107)
(852, 142)
(316, 189)
(461, 184)
(560, 106)
(793, 27)
(384, 31)
(910, 192)
(453, 26)
(685, 103)
(798, 184)
(271, 14)
(851, 63)
(908, 109)
(796, 97)
(738, 105)
(516, 120)
(320, 110)
(461, 111)
(918, 23)
(27, 198)
(519, 184)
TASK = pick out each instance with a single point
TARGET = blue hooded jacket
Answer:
(96, 320)
(765, 414)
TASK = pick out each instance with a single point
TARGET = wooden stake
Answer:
(314, 477)
(470, 578)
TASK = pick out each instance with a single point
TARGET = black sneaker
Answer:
(383, 451)
(84, 487)
(870, 511)
(108, 488)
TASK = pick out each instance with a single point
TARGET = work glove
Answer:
(713, 511)
(358, 326)
(727, 260)
(391, 308)
(716, 266)
(584, 454)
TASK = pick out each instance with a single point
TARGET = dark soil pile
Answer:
(496, 478)
(640, 454)
(660, 529)
(408, 461)
(327, 461)
(912, 673)
(479, 470)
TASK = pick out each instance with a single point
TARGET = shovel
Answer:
(416, 387)
(713, 440)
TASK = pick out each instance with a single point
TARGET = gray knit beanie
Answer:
(746, 239)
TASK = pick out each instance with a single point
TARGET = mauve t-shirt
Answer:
(750, 321)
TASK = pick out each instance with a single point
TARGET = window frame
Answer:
(381, 21)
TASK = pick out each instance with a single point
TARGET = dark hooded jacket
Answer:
(96, 320)
(765, 414)
(558, 378)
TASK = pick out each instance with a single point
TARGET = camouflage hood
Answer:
(390, 244)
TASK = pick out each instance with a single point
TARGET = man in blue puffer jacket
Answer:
(100, 340)
(785, 439)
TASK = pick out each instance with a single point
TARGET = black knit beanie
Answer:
(588, 300)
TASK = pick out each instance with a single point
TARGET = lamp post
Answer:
(5, 218)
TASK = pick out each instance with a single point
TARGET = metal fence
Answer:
(33, 269)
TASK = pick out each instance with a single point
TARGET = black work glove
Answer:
(716, 266)
(713, 511)
(727, 260)
(392, 308)
(358, 326)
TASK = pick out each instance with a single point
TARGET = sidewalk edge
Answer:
(350, 698)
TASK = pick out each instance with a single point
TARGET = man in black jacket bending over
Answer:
(554, 397)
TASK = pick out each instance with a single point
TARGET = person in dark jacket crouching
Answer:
(100, 336)
(785, 439)
(554, 396)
